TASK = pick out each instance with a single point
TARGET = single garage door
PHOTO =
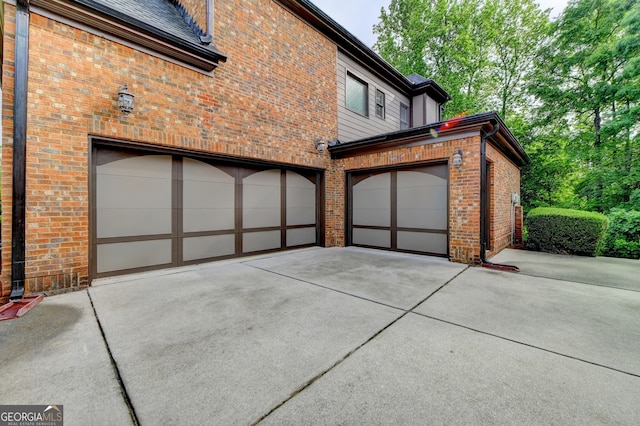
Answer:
(155, 210)
(401, 210)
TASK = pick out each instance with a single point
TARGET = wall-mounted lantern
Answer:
(125, 99)
(457, 159)
(320, 145)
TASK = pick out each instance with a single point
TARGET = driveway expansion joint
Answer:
(529, 274)
(326, 287)
(357, 348)
(114, 365)
(486, 333)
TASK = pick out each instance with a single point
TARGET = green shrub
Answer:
(623, 234)
(566, 231)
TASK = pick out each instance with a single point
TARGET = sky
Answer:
(359, 16)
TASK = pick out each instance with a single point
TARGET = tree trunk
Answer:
(597, 121)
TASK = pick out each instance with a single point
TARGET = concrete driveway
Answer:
(336, 336)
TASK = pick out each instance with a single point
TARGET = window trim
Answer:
(382, 106)
(408, 122)
(366, 90)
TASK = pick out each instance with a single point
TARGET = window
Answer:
(404, 117)
(379, 104)
(357, 95)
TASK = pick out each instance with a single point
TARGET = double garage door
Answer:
(402, 210)
(155, 210)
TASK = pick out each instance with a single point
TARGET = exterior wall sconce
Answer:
(320, 145)
(125, 99)
(457, 159)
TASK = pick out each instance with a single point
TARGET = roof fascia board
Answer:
(468, 126)
(387, 142)
(134, 31)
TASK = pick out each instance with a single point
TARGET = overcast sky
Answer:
(359, 16)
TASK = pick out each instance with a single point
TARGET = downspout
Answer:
(208, 37)
(483, 201)
(18, 212)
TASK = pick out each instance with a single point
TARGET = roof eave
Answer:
(503, 140)
(433, 89)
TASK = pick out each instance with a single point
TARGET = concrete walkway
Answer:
(336, 336)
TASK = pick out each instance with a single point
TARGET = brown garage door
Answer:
(155, 210)
(402, 210)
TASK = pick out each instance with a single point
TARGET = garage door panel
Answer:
(208, 197)
(301, 200)
(133, 222)
(261, 200)
(433, 218)
(422, 197)
(152, 166)
(210, 246)
(371, 217)
(422, 242)
(372, 237)
(301, 236)
(373, 192)
(134, 254)
(136, 202)
(301, 216)
(372, 201)
(259, 241)
(134, 191)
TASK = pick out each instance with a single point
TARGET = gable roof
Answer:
(154, 24)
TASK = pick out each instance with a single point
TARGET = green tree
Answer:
(478, 50)
(519, 27)
(441, 39)
(587, 77)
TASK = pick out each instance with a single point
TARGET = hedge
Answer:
(623, 234)
(566, 231)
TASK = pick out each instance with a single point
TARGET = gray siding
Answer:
(353, 126)
(425, 110)
(433, 110)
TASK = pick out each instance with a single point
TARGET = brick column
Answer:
(517, 238)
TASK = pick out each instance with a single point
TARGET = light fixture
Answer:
(125, 99)
(320, 145)
(457, 159)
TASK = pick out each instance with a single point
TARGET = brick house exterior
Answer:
(258, 97)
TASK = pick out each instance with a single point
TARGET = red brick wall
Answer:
(270, 100)
(518, 238)
(335, 205)
(464, 189)
(505, 180)
(197, 10)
